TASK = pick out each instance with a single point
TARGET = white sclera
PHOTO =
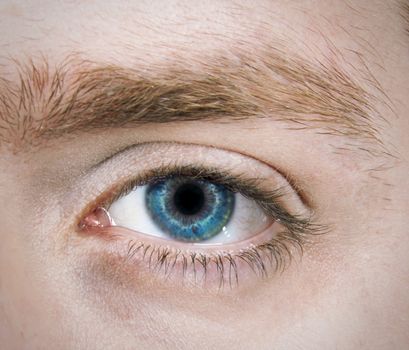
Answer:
(247, 220)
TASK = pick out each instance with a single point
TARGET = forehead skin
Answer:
(367, 39)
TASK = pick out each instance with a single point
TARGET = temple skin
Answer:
(315, 90)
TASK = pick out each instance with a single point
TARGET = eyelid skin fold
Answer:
(202, 264)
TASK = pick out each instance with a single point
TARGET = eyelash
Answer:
(273, 255)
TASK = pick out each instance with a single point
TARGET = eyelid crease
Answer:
(293, 183)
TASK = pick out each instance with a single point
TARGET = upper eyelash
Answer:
(250, 188)
(276, 251)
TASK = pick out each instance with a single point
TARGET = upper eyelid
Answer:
(130, 153)
(228, 174)
(237, 182)
(128, 148)
(246, 185)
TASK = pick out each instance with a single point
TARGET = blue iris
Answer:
(189, 209)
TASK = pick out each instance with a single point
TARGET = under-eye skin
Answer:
(200, 223)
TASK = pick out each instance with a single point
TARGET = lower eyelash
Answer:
(222, 268)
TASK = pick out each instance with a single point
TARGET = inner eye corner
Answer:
(101, 203)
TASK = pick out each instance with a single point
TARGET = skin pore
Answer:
(310, 93)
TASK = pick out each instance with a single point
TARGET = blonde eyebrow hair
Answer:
(79, 96)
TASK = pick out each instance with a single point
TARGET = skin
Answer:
(350, 289)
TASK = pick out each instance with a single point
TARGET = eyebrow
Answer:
(79, 96)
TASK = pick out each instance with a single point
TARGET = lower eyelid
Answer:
(121, 234)
(176, 262)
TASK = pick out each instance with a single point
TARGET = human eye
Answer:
(189, 206)
(207, 215)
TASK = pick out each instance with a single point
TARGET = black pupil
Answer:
(189, 199)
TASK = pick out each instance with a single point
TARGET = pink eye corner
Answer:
(98, 218)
